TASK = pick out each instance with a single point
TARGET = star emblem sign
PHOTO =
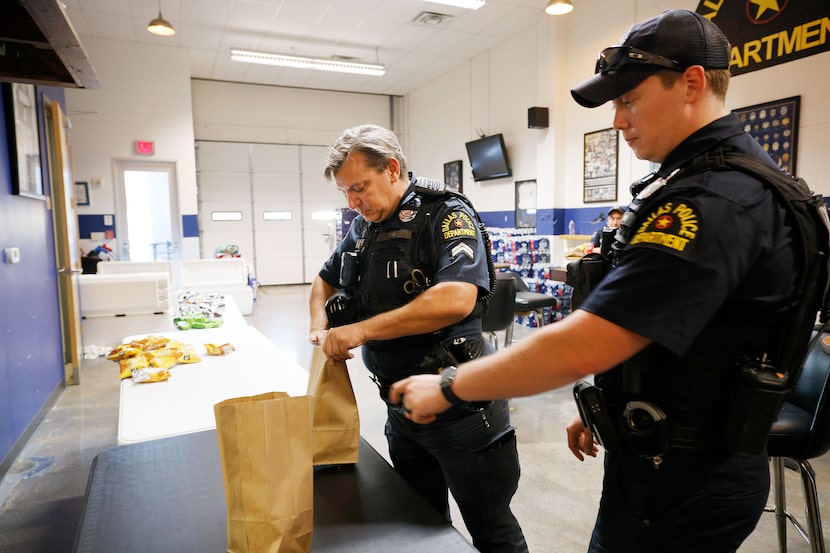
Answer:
(663, 222)
(762, 7)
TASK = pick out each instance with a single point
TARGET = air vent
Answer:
(431, 19)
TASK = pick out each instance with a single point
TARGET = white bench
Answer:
(228, 276)
(113, 306)
(132, 267)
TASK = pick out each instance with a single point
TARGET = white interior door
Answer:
(147, 216)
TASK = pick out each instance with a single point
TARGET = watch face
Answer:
(447, 376)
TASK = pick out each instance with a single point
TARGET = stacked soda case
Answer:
(520, 248)
(528, 254)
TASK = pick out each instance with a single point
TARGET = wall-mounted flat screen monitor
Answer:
(488, 158)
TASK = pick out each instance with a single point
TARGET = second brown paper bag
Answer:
(336, 429)
(265, 449)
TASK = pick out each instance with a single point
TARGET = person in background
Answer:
(615, 215)
(406, 283)
(704, 283)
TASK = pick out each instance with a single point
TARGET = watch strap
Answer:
(447, 378)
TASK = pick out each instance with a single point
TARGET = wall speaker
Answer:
(537, 118)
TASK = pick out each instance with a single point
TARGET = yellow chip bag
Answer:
(141, 376)
(124, 351)
(224, 349)
(189, 355)
(154, 342)
(163, 360)
(127, 365)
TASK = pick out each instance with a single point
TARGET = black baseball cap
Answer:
(618, 209)
(675, 39)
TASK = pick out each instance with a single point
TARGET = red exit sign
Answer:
(144, 147)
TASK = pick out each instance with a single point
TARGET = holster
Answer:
(341, 309)
(584, 274)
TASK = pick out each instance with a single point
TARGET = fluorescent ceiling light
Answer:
(298, 62)
(469, 4)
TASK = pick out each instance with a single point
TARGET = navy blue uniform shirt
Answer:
(456, 241)
(707, 276)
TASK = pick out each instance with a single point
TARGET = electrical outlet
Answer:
(12, 255)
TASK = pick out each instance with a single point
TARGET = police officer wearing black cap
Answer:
(704, 283)
(413, 268)
(612, 222)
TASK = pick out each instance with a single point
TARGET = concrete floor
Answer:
(42, 494)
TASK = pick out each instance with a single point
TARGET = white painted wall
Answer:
(147, 94)
(538, 68)
(144, 95)
(235, 112)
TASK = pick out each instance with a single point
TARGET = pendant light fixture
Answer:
(160, 26)
(559, 7)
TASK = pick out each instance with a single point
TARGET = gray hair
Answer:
(378, 144)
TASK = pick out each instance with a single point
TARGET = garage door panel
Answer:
(279, 269)
(320, 190)
(275, 158)
(276, 187)
(293, 209)
(210, 211)
(253, 179)
(218, 186)
(279, 254)
(240, 238)
(223, 156)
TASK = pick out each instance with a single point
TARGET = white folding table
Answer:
(184, 403)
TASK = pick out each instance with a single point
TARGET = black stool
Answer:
(802, 432)
(527, 301)
(500, 314)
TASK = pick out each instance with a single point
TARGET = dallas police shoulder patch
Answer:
(673, 227)
(457, 224)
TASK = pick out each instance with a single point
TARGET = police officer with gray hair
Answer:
(693, 316)
(408, 283)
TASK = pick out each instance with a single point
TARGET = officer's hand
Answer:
(421, 396)
(317, 337)
(580, 439)
(340, 340)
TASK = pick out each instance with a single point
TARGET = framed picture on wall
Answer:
(600, 166)
(526, 204)
(452, 176)
(775, 126)
(20, 108)
(81, 193)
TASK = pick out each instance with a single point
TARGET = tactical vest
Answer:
(396, 258)
(703, 416)
(394, 268)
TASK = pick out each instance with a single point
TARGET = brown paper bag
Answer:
(265, 448)
(336, 431)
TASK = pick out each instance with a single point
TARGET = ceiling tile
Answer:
(369, 30)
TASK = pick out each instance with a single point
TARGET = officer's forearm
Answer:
(441, 305)
(320, 292)
(551, 357)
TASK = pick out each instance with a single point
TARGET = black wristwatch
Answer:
(447, 378)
